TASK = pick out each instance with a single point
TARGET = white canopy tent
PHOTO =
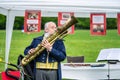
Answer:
(50, 8)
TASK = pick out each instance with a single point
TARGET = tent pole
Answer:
(9, 29)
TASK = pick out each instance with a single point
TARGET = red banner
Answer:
(98, 24)
(62, 18)
(32, 21)
(118, 22)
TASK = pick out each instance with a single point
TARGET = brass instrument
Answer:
(60, 33)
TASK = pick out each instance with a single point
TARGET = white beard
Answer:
(46, 35)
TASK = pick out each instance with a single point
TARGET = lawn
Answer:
(77, 44)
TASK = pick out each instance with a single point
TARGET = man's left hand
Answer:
(47, 45)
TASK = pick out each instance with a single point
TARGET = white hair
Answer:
(46, 24)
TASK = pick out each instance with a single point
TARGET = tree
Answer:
(83, 23)
(111, 23)
(19, 22)
(2, 21)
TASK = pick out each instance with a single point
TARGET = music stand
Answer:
(111, 55)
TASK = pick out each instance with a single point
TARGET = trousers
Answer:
(45, 74)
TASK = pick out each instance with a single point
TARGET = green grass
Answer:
(77, 44)
(82, 43)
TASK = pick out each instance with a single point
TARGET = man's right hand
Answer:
(31, 51)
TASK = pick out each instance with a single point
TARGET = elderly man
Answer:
(47, 64)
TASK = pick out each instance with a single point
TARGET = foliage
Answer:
(83, 23)
(19, 22)
(2, 21)
(111, 23)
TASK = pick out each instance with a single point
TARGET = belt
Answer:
(40, 65)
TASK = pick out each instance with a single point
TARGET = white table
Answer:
(70, 71)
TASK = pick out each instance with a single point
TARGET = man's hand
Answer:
(31, 51)
(47, 45)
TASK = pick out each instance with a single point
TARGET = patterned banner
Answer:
(62, 18)
(98, 24)
(32, 21)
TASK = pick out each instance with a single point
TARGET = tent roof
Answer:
(81, 8)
